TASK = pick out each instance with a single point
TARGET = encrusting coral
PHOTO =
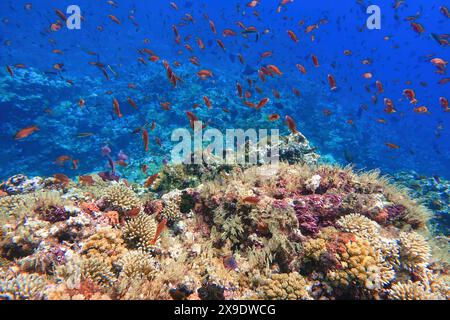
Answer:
(298, 230)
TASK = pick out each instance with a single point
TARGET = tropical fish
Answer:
(26, 132)
(291, 125)
(145, 139)
(117, 108)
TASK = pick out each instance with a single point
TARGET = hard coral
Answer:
(285, 286)
(415, 252)
(22, 286)
(139, 232)
(121, 198)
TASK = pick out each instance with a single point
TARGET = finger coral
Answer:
(21, 286)
(285, 286)
(121, 198)
(414, 250)
(139, 232)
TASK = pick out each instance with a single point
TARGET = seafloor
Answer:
(303, 230)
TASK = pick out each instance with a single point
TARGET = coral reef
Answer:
(299, 230)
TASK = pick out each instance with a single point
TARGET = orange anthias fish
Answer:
(315, 60)
(75, 163)
(207, 102)
(410, 95)
(62, 159)
(114, 18)
(212, 26)
(132, 103)
(291, 125)
(301, 68)
(24, 133)
(389, 106)
(274, 69)
(10, 71)
(421, 109)
(332, 82)
(379, 86)
(391, 145)
(148, 183)
(444, 104)
(292, 35)
(204, 74)
(251, 199)
(117, 108)
(262, 103)
(273, 117)
(145, 139)
(159, 230)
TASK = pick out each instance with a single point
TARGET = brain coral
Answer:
(139, 232)
(121, 198)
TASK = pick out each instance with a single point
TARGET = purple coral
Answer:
(316, 211)
(53, 214)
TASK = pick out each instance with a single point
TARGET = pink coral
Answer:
(315, 211)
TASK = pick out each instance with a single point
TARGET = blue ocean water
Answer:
(54, 70)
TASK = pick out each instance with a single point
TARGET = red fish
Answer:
(212, 26)
(379, 86)
(117, 108)
(10, 71)
(239, 89)
(145, 139)
(389, 106)
(204, 74)
(132, 103)
(262, 103)
(332, 82)
(292, 35)
(301, 68)
(24, 133)
(159, 230)
(148, 183)
(291, 125)
(410, 95)
(274, 69)
(207, 102)
(62, 178)
(114, 18)
(315, 60)
(444, 104)
(273, 117)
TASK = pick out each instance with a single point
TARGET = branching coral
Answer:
(411, 291)
(106, 244)
(22, 286)
(139, 232)
(285, 286)
(414, 250)
(121, 198)
(137, 265)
